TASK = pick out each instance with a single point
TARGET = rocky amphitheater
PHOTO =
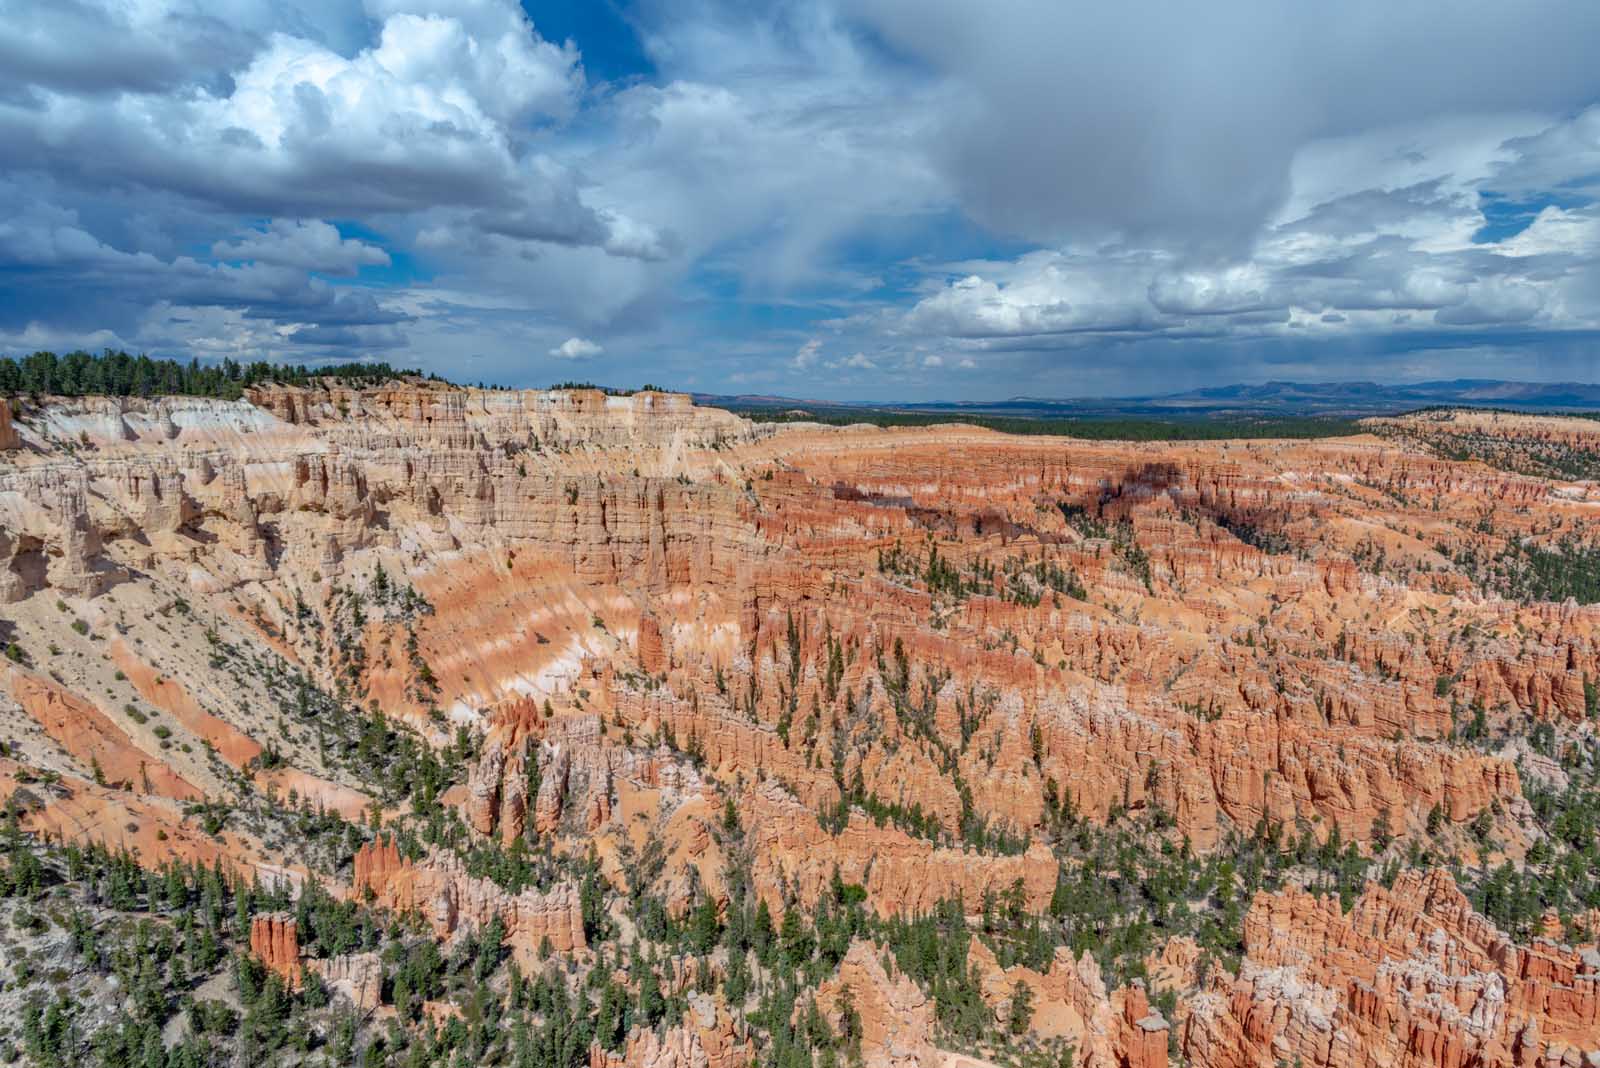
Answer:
(787, 743)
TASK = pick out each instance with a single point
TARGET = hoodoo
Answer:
(690, 738)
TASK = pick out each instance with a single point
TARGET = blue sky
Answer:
(861, 199)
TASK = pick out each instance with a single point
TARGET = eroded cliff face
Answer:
(680, 645)
(442, 893)
(1411, 976)
(275, 941)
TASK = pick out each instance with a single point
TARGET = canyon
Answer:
(763, 722)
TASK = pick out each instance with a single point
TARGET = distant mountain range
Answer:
(1267, 398)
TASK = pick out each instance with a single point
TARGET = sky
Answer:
(840, 199)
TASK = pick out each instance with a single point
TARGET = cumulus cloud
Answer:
(1041, 293)
(1557, 231)
(1495, 300)
(805, 356)
(62, 276)
(152, 46)
(1562, 155)
(577, 348)
(1233, 289)
(304, 131)
(309, 244)
(190, 122)
(1367, 260)
(444, 107)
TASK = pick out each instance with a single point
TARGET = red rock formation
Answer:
(900, 873)
(8, 433)
(1411, 977)
(440, 891)
(1143, 1031)
(1070, 1002)
(1173, 966)
(100, 745)
(649, 645)
(896, 1016)
(1121, 644)
(276, 943)
(357, 485)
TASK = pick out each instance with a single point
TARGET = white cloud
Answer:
(75, 279)
(577, 348)
(309, 244)
(1041, 293)
(148, 46)
(1555, 231)
(1237, 288)
(1494, 301)
(441, 109)
(805, 356)
(485, 52)
(1368, 259)
(1562, 155)
(37, 336)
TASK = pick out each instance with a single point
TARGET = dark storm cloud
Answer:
(1159, 119)
(80, 47)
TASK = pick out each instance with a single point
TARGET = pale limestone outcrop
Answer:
(707, 1038)
(440, 891)
(357, 977)
(896, 1016)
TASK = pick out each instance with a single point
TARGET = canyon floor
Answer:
(413, 724)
